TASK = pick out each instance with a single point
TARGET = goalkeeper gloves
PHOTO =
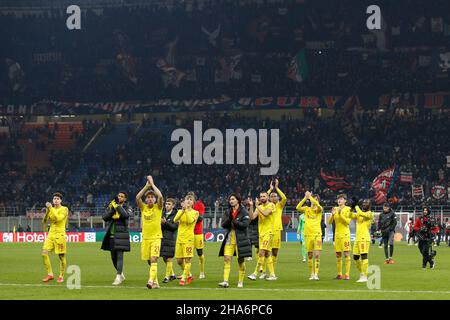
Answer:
(114, 204)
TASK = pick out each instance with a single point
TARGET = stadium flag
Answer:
(417, 191)
(212, 35)
(170, 74)
(298, 67)
(380, 197)
(438, 192)
(128, 66)
(406, 177)
(335, 183)
(383, 181)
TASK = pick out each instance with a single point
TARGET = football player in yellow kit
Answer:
(264, 211)
(57, 214)
(151, 212)
(312, 232)
(364, 219)
(341, 215)
(273, 193)
(184, 248)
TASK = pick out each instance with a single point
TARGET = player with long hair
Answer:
(237, 242)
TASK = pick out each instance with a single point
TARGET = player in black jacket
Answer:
(387, 222)
(168, 241)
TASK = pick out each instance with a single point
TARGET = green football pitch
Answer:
(21, 271)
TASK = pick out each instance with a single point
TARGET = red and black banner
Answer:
(335, 183)
(438, 100)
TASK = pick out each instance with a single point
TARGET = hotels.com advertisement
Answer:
(40, 236)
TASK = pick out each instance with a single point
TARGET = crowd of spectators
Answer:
(239, 48)
(20, 187)
(413, 144)
(203, 49)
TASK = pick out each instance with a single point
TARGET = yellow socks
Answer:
(241, 271)
(62, 266)
(358, 265)
(153, 272)
(169, 269)
(365, 266)
(274, 260)
(202, 263)
(187, 270)
(260, 264)
(316, 266)
(226, 270)
(47, 264)
(339, 265)
(348, 263)
(270, 266)
(310, 265)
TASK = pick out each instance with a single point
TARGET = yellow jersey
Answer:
(313, 217)
(58, 219)
(363, 222)
(278, 212)
(186, 225)
(266, 224)
(151, 221)
(342, 219)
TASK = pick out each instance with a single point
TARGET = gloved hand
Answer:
(114, 204)
(298, 236)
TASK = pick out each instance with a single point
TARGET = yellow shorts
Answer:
(184, 250)
(56, 242)
(313, 243)
(150, 248)
(276, 241)
(361, 247)
(265, 242)
(342, 244)
(230, 249)
(198, 241)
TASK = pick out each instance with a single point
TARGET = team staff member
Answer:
(117, 237)
(387, 222)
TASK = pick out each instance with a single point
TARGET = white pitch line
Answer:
(233, 289)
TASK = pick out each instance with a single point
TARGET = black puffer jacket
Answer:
(120, 241)
(240, 224)
(387, 222)
(169, 235)
(253, 232)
